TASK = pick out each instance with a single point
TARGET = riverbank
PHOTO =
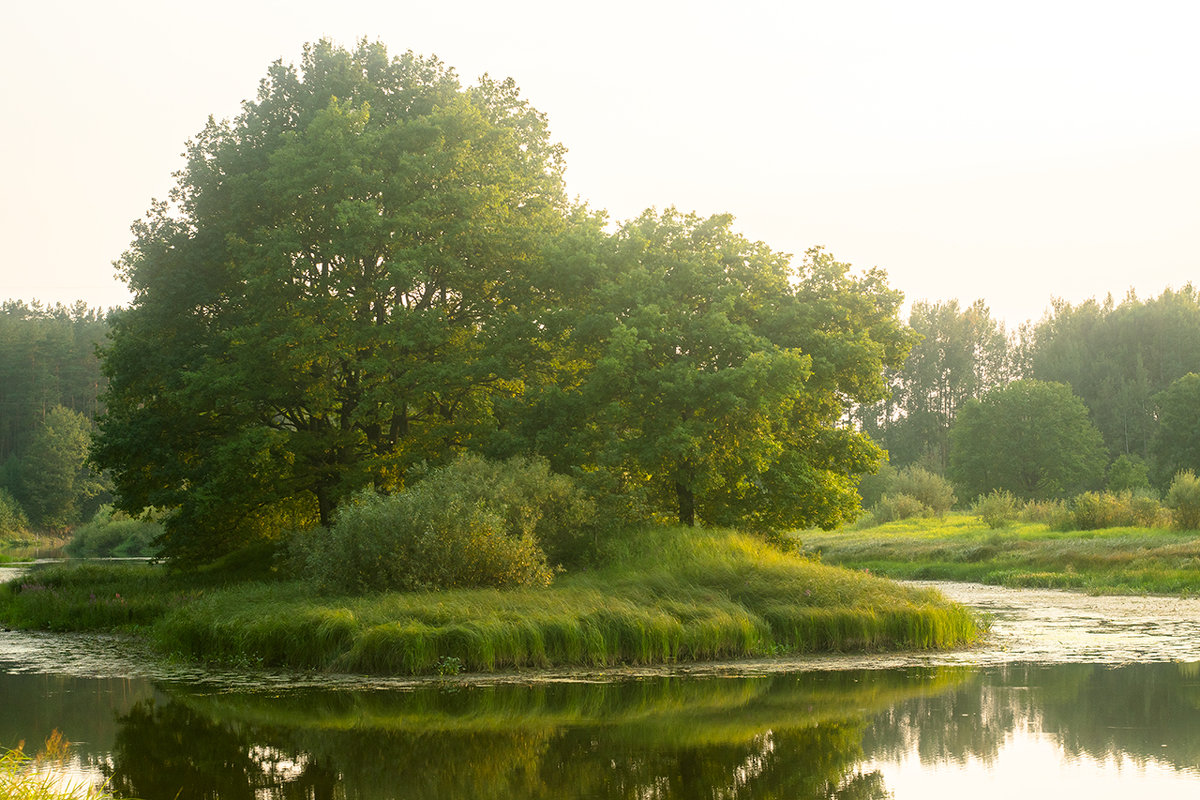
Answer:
(671, 595)
(960, 547)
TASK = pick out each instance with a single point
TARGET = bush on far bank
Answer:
(909, 492)
(471, 524)
(1183, 498)
(12, 517)
(113, 534)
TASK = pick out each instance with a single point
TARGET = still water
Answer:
(1072, 697)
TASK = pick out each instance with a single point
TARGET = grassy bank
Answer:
(669, 595)
(960, 547)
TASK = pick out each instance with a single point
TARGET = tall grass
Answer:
(671, 595)
(44, 776)
(678, 596)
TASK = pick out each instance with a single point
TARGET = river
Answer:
(1071, 696)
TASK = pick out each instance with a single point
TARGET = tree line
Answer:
(1092, 395)
(50, 383)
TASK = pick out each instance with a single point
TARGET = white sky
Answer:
(1012, 151)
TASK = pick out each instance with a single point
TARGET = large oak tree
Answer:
(715, 375)
(338, 287)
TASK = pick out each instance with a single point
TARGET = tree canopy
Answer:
(959, 354)
(374, 267)
(717, 374)
(50, 379)
(1031, 438)
(1175, 444)
(330, 297)
(1118, 356)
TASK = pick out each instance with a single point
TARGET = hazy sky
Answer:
(1010, 151)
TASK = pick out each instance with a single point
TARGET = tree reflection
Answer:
(787, 736)
(166, 750)
(1099, 711)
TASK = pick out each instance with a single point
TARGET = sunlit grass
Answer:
(671, 595)
(961, 547)
(44, 776)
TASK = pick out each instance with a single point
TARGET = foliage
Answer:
(55, 481)
(997, 508)
(47, 358)
(12, 516)
(1031, 438)
(931, 489)
(1128, 473)
(348, 276)
(1175, 444)
(873, 485)
(1055, 514)
(112, 533)
(44, 776)
(710, 373)
(1183, 498)
(1095, 510)
(898, 506)
(960, 353)
(471, 523)
(1118, 357)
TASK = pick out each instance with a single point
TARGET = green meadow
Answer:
(961, 547)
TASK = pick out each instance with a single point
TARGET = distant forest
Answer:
(1132, 365)
(50, 384)
(1129, 363)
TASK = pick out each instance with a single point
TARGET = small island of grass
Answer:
(673, 594)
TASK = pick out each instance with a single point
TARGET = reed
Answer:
(44, 776)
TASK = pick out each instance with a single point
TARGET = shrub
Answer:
(114, 534)
(530, 499)
(997, 508)
(1183, 498)
(872, 487)
(473, 523)
(1096, 510)
(1055, 514)
(12, 516)
(898, 506)
(930, 489)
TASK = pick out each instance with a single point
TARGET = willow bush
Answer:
(1183, 498)
(471, 524)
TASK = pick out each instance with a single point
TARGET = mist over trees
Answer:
(50, 380)
(959, 354)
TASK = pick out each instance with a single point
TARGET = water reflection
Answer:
(852, 734)
(786, 735)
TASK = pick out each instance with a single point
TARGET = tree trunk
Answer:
(324, 505)
(687, 505)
